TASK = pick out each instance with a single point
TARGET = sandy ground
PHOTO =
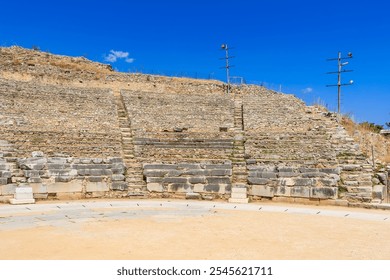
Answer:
(191, 230)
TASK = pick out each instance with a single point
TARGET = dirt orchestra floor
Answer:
(179, 229)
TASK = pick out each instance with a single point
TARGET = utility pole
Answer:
(227, 66)
(340, 64)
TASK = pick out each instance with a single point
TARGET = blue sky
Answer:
(279, 43)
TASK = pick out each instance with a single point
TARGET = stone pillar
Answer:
(23, 195)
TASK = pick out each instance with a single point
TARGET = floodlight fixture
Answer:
(340, 64)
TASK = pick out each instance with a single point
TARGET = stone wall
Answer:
(56, 119)
(174, 127)
(60, 176)
(204, 179)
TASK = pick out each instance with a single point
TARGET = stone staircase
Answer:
(240, 174)
(134, 171)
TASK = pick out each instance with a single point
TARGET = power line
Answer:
(340, 65)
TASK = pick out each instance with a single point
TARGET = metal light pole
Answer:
(227, 66)
(340, 64)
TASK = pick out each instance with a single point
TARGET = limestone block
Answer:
(300, 191)
(382, 178)
(199, 188)
(60, 187)
(287, 182)
(4, 166)
(269, 175)
(303, 182)
(219, 172)
(288, 174)
(15, 201)
(95, 178)
(194, 172)
(258, 181)
(218, 166)
(148, 166)
(155, 173)
(212, 187)
(308, 170)
(32, 163)
(352, 189)
(175, 180)
(7, 189)
(283, 191)
(34, 180)
(189, 166)
(119, 186)
(154, 180)
(3, 181)
(330, 170)
(6, 174)
(218, 180)
(97, 187)
(38, 188)
(235, 195)
(154, 187)
(96, 172)
(58, 166)
(286, 169)
(328, 182)
(179, 187)
(263, 191)
(56, 160)
(379, 192)
(36, 154)
(239, 190)
(31, 173)
(193, 196)
(313, 175)
(324, 192)
(351, 167)
(197, 180)
(117, 177)
(113, 160)
(23, 193)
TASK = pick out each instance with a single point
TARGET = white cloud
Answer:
(307, 90)
(113, 56)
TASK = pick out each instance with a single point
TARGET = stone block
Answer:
(219, 172)
(148, 166)
(197, 180)
(96, 172)
(154, 187)
(107, 172)
(6, 174)
(174, 173)
(303, 182)
(154, 180)
(7, 189)
(359, 189)
(263, 191)
(3, 181)
(379, 192)
(239, 190)
(328, 182)
(324, 192)
(38, 188)
(97, 187)
(287, 182)
(56, 160)
(218, 166)
(179, 187)
(269, 175)
(113, 160)
(300, 191)
(313, 175)
(218, 180)
(286, 169)
(189, 166)
(155, 173)
(212, 187)
(36, 154)
(193, 196)
(34, 180)
(175, 180)
(31, 173)
(283, 191)
(22, 201)
(63, 179)
(60, 187)
(308, 170)
(199, 188)
(194, 172)
(23, 193)
(330, 170)
(258, 181)
(238, 195)
(118, 170)
(117, 177)
(351, 167)
(95, 178)
(4, 166)
(32, 163)
(119, 186)
(288, 174)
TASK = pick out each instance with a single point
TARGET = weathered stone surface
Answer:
(119, 186)
(179, 187)
(299, 191)
(258, 181)
(193, 196)
(212, 187)
(283, 191)
(324, 192)
(60, 187)
(8, 189)
(97, 187)
(154, 187)
(160, 166)
(197, 180)
(218, 180)
(263, 191)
